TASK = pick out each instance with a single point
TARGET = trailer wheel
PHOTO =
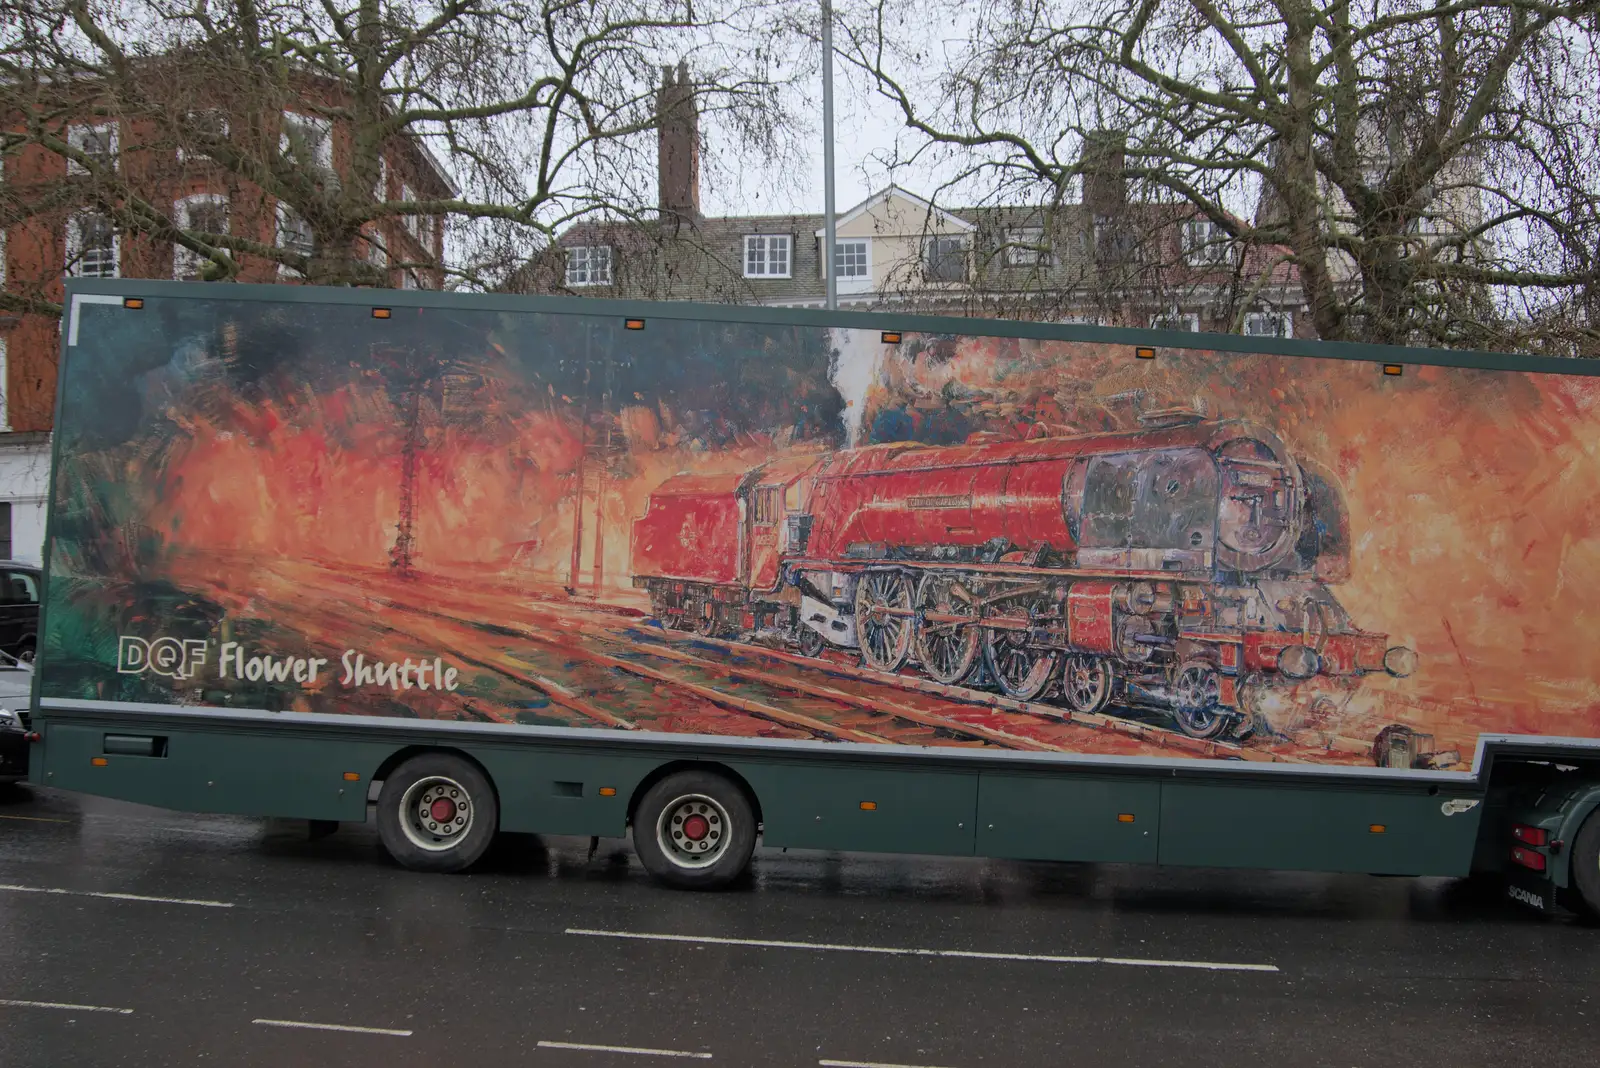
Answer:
(437, 812)
(694, 830)
(1586, 863)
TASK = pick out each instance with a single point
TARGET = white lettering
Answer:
(252, 669)
(450, 678)
(315, 662)
(349, 671)
(133, 654)
(299, 670)
(232, 653)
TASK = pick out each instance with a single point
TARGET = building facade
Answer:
(58, 227)
(1106, 259)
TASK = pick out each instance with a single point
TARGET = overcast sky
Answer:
(865, 129)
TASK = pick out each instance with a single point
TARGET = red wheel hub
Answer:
(443, 810)
(696, 827)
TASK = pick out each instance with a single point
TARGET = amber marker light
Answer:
(1376, 828)
(99, 762)
(1393, 369)
(352, 776)
(633, 324)
(1144, 353)
(1124, 817)
(608, 791)
(133, 302)
(869, 806)
(381, 313)
(891, 337)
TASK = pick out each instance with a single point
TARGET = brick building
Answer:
(63, 230)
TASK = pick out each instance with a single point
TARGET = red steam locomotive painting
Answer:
(1183, 566)
(799, 532)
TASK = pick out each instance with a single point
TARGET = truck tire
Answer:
(1586, 863)
(694, 830)
(437, 812)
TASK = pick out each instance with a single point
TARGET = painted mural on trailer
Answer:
(804, 533)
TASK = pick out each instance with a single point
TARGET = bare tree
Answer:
(327, 120)
(1429, 167)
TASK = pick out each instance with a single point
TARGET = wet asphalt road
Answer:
(481, 969)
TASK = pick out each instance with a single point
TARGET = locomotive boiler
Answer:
(1182, 567)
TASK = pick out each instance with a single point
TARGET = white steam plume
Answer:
(857, 362)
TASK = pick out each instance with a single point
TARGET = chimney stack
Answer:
(678, 146)
(1105, 188)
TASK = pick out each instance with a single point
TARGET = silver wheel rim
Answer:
(693, 831)
(425, 802)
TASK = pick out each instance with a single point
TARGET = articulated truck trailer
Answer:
(709, 576)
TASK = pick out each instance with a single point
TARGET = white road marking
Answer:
(871, 1064)
(625, 1049)
(35, 819)
(117, 897)
(903, 951)
(62, 1005)
(333, 1027)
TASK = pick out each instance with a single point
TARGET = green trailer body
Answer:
(862, 581)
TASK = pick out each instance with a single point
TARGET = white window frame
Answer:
(377, 246)
(5, 370)
(761, 255)
(74, 247)
(186, 264)
(283, 214)
(221, 131)
(1205, 244)
(1176, 320)
(1025, 246)
(587, 274)
(407, 194)
(865, 245)
(1254, 321)
(409, 280)
(78, 137)
(427, 226)
(322, 156)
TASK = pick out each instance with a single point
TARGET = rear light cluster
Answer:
(1526, 852)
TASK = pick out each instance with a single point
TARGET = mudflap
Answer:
(1533, 892)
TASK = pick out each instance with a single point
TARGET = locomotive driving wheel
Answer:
(883, 619)
(1198, 693)
(1019, 671)
(1086, 683)
(946, 650)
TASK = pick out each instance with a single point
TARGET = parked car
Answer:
(16, 684)
(19, 609)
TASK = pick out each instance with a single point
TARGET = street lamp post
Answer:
(829, 261)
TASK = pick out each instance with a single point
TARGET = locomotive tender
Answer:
(1183, 566)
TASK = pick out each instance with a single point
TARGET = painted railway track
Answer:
(847, 718)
